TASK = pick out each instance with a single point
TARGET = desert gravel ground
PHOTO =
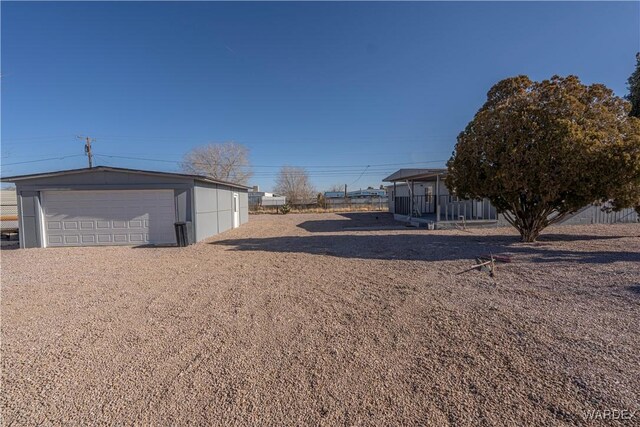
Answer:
(325, 319)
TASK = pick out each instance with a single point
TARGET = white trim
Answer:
(194, 216)
(43, 235)
(235, 209)
(20, 222)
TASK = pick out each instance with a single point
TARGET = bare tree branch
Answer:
(227, 162)
(294, 184)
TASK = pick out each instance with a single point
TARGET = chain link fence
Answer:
(378, 204)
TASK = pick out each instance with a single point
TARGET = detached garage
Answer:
(117, 206)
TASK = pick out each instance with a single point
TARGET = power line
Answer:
(42, 160)
(358, 179)
(35, 138)
(259, 174)
(370, 170)
(298, 139)
(30, 156)
(355, 140)
(331, 171)
(325, 173)
(272, 166)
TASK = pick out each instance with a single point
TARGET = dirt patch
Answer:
(325, 319)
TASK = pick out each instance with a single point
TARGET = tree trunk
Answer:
(529, 234)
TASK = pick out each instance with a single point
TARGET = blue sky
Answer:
(331, 86)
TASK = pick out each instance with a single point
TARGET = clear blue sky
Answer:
(338, 85)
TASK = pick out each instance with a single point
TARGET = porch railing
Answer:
(402, 205)
(449, 207)
(453, 208)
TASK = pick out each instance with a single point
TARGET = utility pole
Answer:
(87, 148)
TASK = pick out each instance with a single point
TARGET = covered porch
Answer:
(420, 196)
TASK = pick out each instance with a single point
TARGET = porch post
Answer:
(395, 194)
(412, 196)
(437, 198)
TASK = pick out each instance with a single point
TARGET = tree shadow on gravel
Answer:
(353, 221)
(156, 246)
(425, 247)
(371, 221)
(634, 289)
(556, 237)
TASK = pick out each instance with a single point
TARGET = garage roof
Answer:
(201, 178)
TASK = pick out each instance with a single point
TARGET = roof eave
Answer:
(201, 178)
(219, 182)
(398, 176)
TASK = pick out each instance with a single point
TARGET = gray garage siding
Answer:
(244, 207)
(225, 202)
(29, 219)
(214, 208)
(206, 208)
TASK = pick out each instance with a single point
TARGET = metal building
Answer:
(116, 206)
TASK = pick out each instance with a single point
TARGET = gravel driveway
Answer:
(325, 319)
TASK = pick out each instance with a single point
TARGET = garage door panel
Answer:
(54, 225)
(136, 238)
(87, 225)
(72, 239)
(105, 238)
(54, 240)
(109, 217)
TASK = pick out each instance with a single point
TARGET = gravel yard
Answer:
(325, 319)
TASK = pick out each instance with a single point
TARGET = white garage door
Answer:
(106, 217)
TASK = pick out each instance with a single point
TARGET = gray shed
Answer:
(116, 206)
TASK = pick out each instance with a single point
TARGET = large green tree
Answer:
(542, 150)
(633, 84)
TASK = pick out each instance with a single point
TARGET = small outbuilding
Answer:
(116, 206)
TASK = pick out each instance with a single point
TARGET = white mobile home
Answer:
(420, 195)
